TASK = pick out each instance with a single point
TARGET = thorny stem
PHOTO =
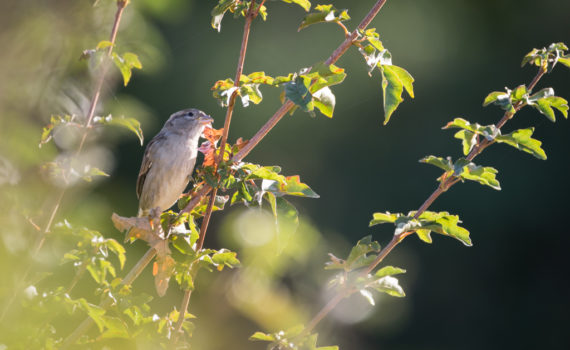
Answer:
(397, 238)
(41, 238)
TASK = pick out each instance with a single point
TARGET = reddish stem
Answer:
(207, 215)
(444, 186)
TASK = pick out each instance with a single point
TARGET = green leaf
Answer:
(224, 257)
(218, 12)
(324, 13)
(115, 328)
(494, 96)
(442, 223)
(292, 187)
(383, 218)
(468, 135)
(259, 336)
(126, 64)
(424, 235)
(487, 131)
(242, 194)
(521, 139)
(325, 101)
(544, 101)
(132, 60)
(95, 312)
(468, 140)
(565, 60)
(445, 224)
(469, 171)
(389, 285)
(118, 249)
(55, 121)
(444, 164)
(389, 271)
(323, 75)
(374, 39)
(46, 134)
(129, 123)
(518, 93)
(501, 99)
(95, 273)
(70, 256)
(250, 93)
(394, 80)
(305, 4)
(89, 172)
(531, 57)
(263, 172)
(548, 57)
(103, 45)
(182, 243)
(219, 204)
(360, 255)
(298, 93)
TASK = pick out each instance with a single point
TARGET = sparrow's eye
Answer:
(190, 114)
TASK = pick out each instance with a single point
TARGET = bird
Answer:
(169, 160)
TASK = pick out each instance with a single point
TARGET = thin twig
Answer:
(199, 245)
(444, 186)
(112, 38)
(251, 14)
(324, 312)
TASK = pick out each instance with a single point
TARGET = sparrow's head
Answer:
(188, 119)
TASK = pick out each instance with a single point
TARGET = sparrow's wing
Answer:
(147, 161)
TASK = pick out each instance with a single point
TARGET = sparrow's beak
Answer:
(206, 119)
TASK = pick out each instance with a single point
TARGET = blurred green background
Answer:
(510, 290)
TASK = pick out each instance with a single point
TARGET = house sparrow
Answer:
(169, 160)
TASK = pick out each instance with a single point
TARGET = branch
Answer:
(397, 238)
(199, 245)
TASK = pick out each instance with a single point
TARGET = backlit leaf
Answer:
(469, 171)
(389, 271)
(129, 123)
(383, 218)
(305, 4)
(324, 13)
(522, 140)
(394, 80)
(444, 164)
(298, 93)
(126, 63)
(325, 101)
